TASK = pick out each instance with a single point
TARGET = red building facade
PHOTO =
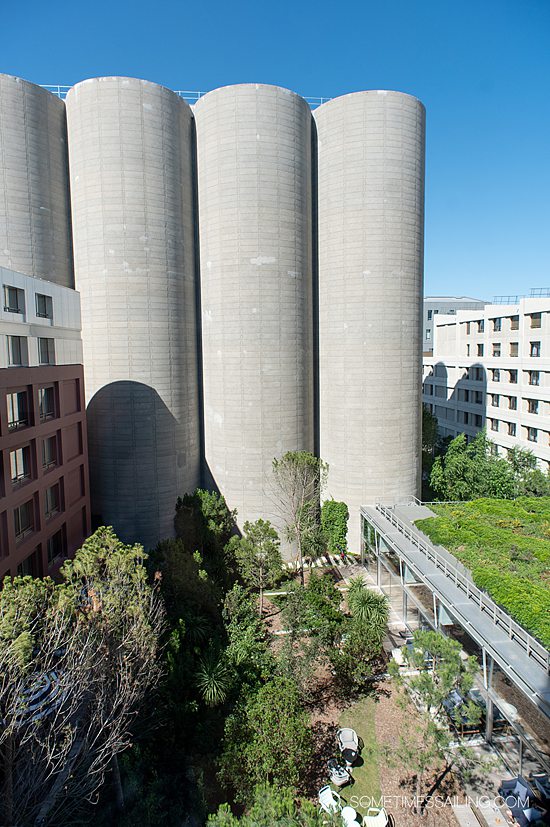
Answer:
(44, 485)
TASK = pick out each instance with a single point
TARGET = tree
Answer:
(258, 557)
(213, 677)
(204, 523)
(247, 651)
(429, 431)
(275, 807)
(267, 740)
(298, 479)
(76, 660)
(530, 480)
(334, 522)
(440, 669)
(471, 470)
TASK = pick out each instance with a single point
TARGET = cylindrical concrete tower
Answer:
(35, 233)
(371, 231)
(131, 167)
(255, 219)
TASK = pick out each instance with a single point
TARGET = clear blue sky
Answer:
(482, 68)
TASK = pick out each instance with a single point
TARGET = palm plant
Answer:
(368, 608)
(213, 678)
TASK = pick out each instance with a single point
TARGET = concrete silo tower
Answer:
(131, 171)
(254, 163)
(371, 229)
(35, 235)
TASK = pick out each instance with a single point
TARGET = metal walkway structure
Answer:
(520, 656)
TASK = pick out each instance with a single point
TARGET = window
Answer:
(18, 409)
(53, 500)
(49, 452)
(494, 424)
(514, 323)
(496, 375)
(495, 400)
(513, 377)
(534, 377)
(14, 299)
(30, 566)
(533, 406)
(478, 374)
(46, 403)
(17, 351)
(532, 434)
(23, 519)
(536, 320)
(467, 328)
(428, 333)
(514, 348)
(480, 350)
(512, 403)
(430, 314)
(477, 420)
(466, 395)
(535, 349)
(20, 464)
(478, 397)
(496, 349)
(56, 547)
(480, 326)
(467, 350)
(46, 351)
(44, 306)
(497, 325)
(511, 429)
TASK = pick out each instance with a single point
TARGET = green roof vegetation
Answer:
(506, 546)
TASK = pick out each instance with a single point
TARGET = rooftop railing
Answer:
(188, 95)
(532, 647)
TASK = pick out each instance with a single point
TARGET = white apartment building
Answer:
(39, 322)
(490, 369)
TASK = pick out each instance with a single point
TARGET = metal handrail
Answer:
(60, 91)
(500, 618)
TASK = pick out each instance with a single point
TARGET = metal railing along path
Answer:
(188, 95)
(533, 648)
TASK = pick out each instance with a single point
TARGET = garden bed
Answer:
(506, 546)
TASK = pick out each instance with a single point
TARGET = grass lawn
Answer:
(360, 717)
(506, 546)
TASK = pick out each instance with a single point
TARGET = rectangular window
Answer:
(511, 429)
(24, 519)
(428, 333)
(53, 500)
(20, 465)
(496, 375)
(46, 351)
(512, 403)
(514, 348)
(495, 400)
(14, 299)
(49, 452)
(497, 325)
(46, 403)
(480, 326)
(18, 409)
(17, 351)
(430, 314)
(496, 349)
(536, 320)
(467, 328)
(533, 406)
(513, 377)
(44, 306)
(477, 420)
(478, 397)
(534, 377)
(535, 349)
(480, 350)
(56, 547)
(30, 567)
(514, 323)
(532, 434)
(468, 349)
(494, 424)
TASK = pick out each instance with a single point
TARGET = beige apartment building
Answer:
(490, 369)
